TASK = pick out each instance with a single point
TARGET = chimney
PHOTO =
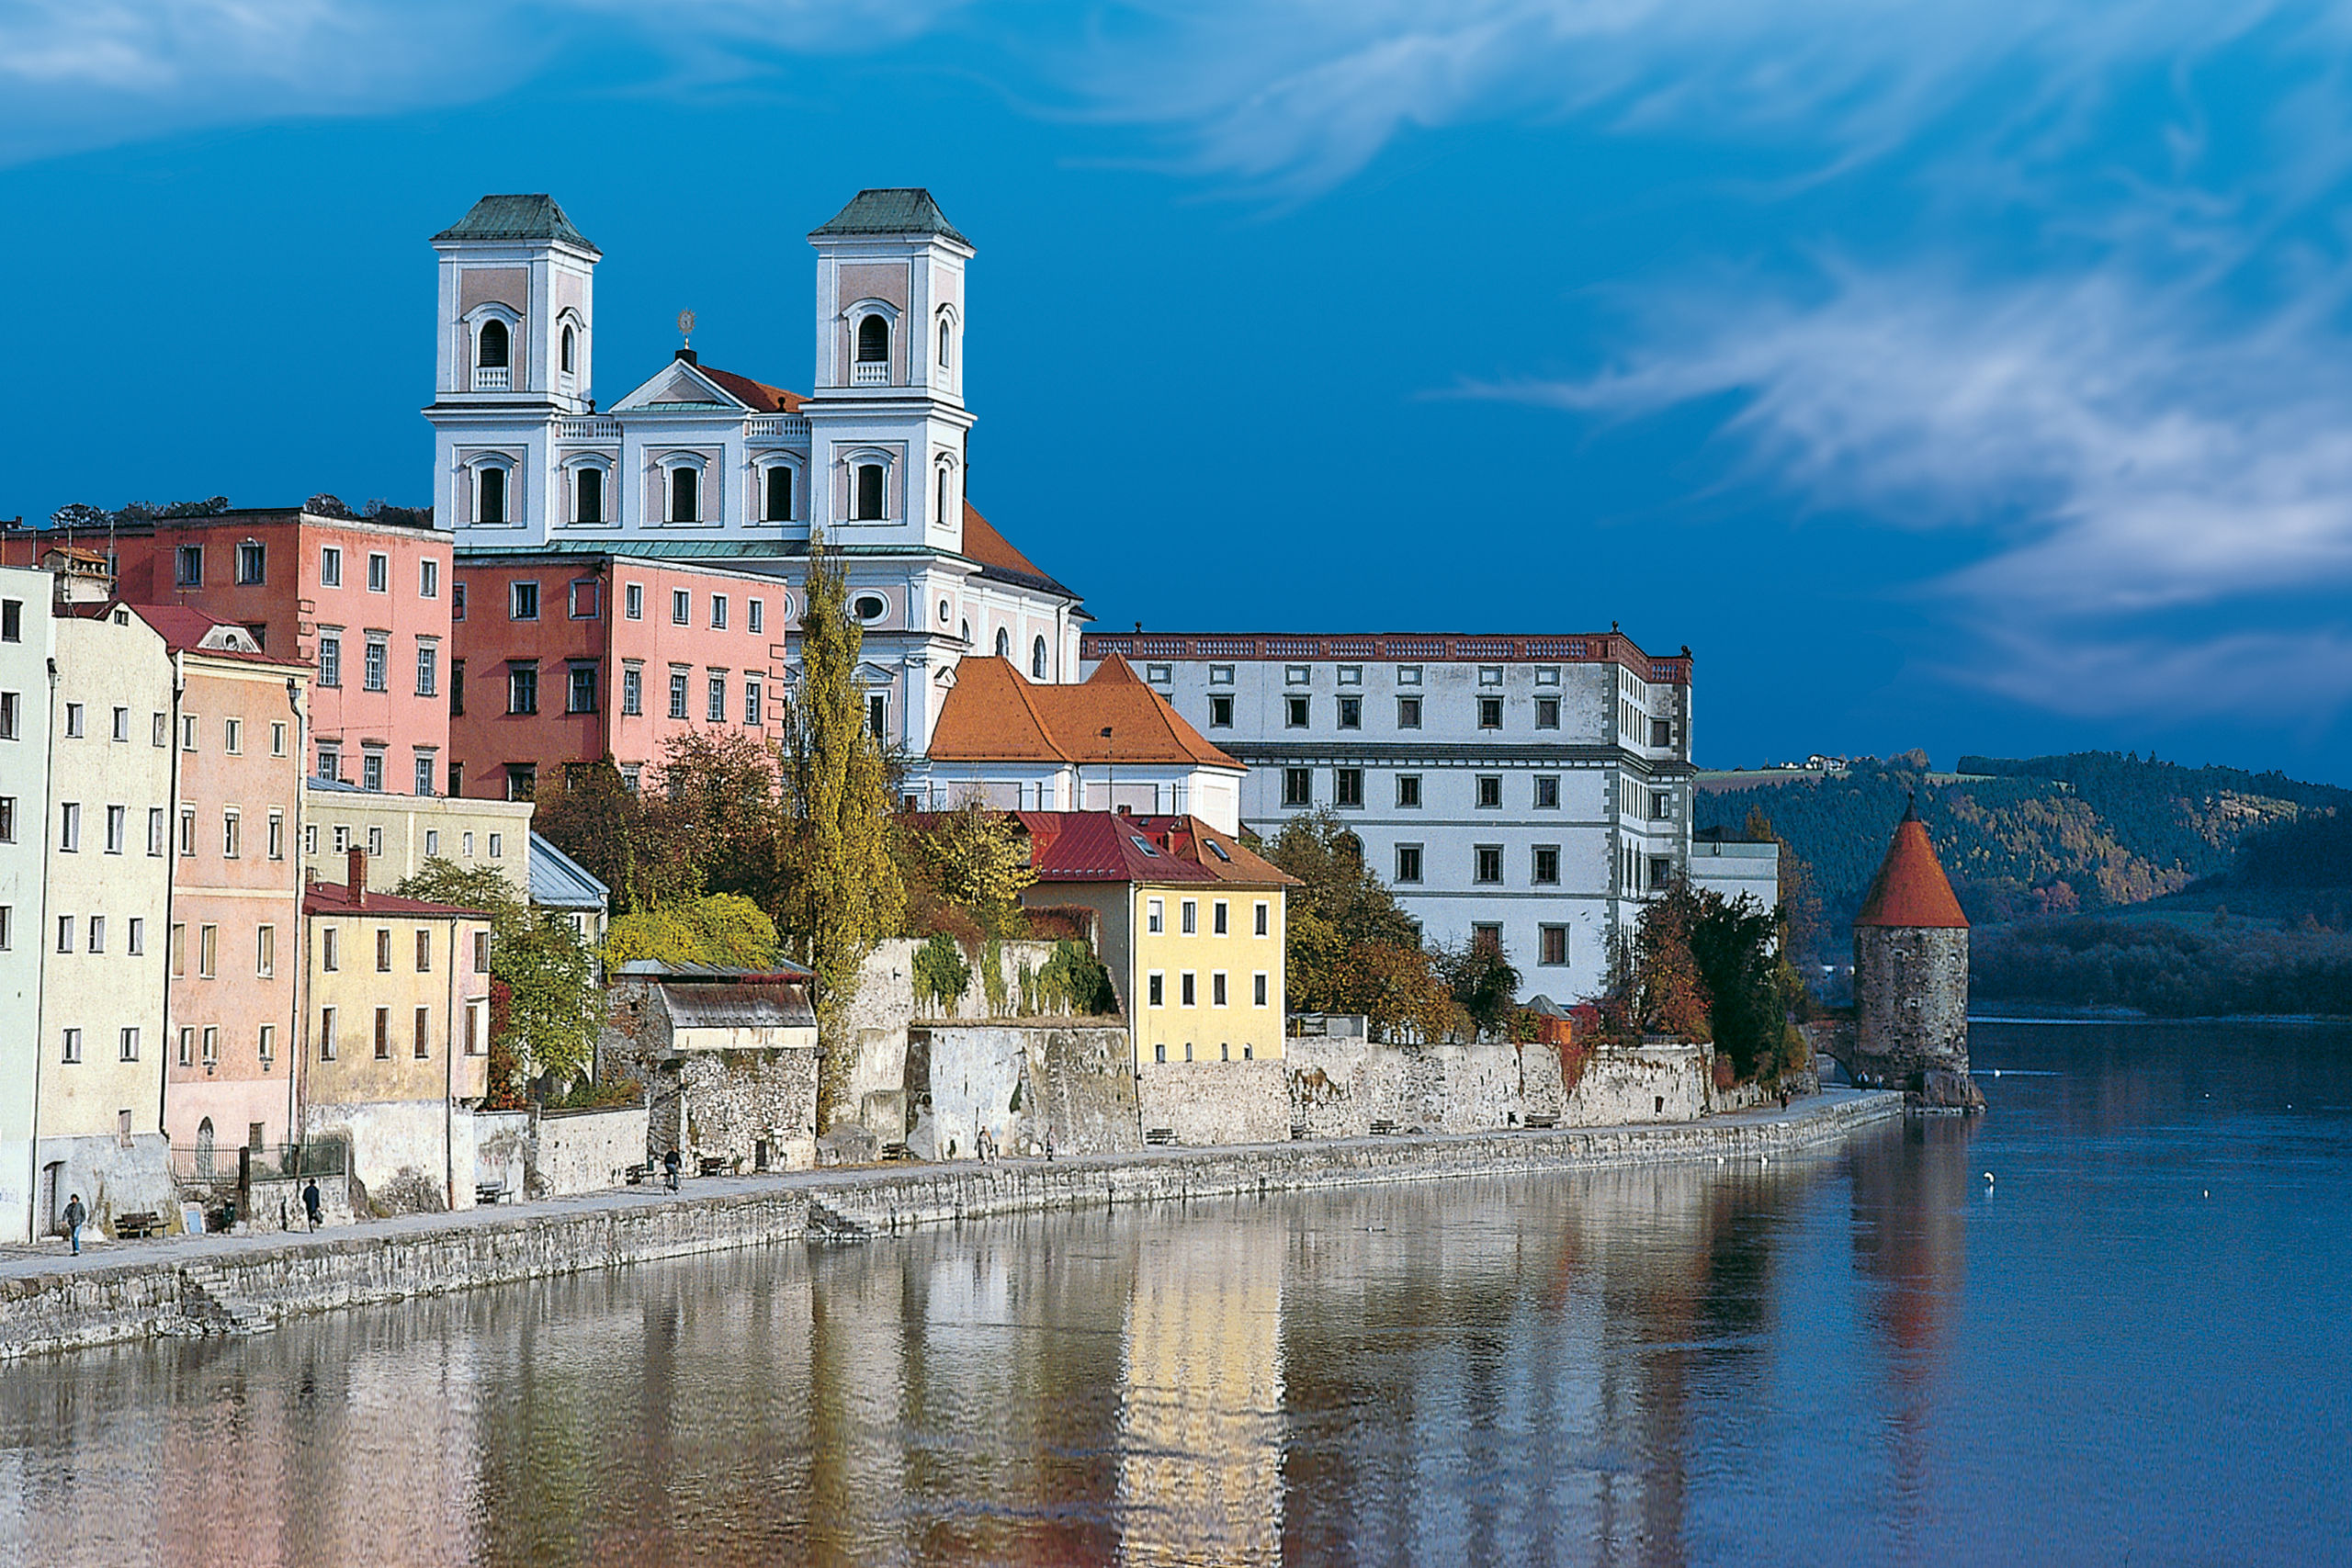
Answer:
(359, 879)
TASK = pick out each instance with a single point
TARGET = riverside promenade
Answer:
(226, 1284)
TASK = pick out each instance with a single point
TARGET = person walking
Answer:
(670, 1163)
(75, 1217)
(310, 1201)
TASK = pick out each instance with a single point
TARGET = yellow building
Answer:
(1191, 928)
(397, 1018)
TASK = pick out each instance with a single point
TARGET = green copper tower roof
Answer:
(903, 210)
(535, 217)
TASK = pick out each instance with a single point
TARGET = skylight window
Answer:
(1218, 850)
(1145, 848)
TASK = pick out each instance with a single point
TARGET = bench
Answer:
(1297, 1132)
(1382, 1128)
(712, 1165)
(139, 1226)
(1159, 1135)
(490, 1193)
(896, 1151)
(1538, 1121)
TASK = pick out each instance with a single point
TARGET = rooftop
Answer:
(900, 209)
(1409, 648)
(334, 898)
(1910, 888)
(994, 715)
(531, 216)
(1102, 846)
(559, 882)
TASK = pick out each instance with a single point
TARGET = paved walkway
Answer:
(54, 1258)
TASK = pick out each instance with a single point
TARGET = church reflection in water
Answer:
(1525, 1369)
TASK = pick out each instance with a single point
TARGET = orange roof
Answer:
(999, 559)
(758, 394)
(992, 714)
(1910, 888)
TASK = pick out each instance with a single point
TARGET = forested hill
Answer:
(2043, 835)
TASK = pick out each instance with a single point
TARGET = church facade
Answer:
(696, 464)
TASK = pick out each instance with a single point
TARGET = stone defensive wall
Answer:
(237, 1285)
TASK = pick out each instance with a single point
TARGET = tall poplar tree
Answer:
(843, 894)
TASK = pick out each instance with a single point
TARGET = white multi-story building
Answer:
(27, 644)
(1524, 790)
(704, 463)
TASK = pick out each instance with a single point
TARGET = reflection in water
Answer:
(1857, 1356)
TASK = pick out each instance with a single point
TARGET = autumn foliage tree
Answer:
(1351, 950)
(843, 894)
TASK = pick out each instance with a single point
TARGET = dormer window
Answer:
(873, 340)
(869, 490)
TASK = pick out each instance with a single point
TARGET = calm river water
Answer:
(2127, 1346)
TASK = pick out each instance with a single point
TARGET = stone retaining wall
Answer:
(206, 1284)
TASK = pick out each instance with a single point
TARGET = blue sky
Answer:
(1972, 378)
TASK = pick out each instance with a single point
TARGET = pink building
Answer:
(568, 657)
(365, 604)
(232, 1019)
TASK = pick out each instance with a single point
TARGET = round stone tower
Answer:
(1911, 978)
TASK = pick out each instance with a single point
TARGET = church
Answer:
(720, 475)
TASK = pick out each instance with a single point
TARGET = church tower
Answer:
(887, 426)
(514, 346)
(1911, 978)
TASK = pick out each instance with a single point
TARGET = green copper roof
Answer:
(904, 211)
(535, 217)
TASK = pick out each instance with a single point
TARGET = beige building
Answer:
(236, 893)
(398, 1038)
(98, 1113)
(401, 833)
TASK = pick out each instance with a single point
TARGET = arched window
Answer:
(965, 629)
(587, 495)
(941, 515)
(686, 494)
(869, 492)
(873, 340)
(1004, 643)
(946, 337)
(489, 493)
(491, 350)
(1037, 659)
(569, 350)
(779, 507)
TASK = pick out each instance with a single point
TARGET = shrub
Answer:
(940, 974)
(1074, 980)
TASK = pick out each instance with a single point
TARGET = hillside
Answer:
(2034, 837)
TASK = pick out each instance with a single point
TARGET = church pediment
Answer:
(680, 385)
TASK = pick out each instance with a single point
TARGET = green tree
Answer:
(1751, 987)
(1337, 912)
(553, 1008)
(845, 894)
(1482, 981)
(725, 930)
(977, 859)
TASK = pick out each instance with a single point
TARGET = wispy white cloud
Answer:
(2120, 455)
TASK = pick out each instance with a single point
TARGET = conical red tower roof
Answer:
(1910, 888)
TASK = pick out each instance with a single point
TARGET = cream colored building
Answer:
(99, 1113)
(26, 644)
(401, 833)
(397, 1047)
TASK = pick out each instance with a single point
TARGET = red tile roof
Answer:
(1911, 889)
(758, 394)
(993, 715)
(1223, 857)
(1102, 846)
(998, 559)
(334, 898)
(184, 630)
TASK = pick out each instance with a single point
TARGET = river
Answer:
(2126, 1345)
